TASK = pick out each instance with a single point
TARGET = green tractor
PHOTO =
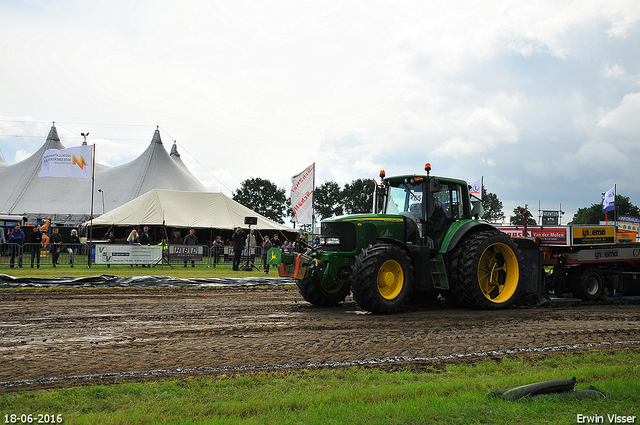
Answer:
(423, 243)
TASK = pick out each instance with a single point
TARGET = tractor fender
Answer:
(467, 228)
(396, 242)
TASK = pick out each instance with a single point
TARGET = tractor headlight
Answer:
(330, 241)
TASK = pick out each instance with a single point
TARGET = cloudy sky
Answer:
(540, 98)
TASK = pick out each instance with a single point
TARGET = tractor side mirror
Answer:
(477, 209)
(434, 185)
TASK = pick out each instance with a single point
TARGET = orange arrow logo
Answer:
(79, 162)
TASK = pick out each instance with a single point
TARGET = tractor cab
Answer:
(431, 205)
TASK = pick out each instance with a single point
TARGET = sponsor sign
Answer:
(592, 235)
(186, 252)
(302, 195)
(612, 254)
(128, 254)
(548, 235)
(73, 162)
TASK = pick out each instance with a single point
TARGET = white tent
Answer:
(185, 209)
(68, 201)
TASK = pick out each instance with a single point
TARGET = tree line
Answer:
(356, 197)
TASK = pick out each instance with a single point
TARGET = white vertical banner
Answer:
(302, 195)
(74, 162)
(476, 188)
(609, 202)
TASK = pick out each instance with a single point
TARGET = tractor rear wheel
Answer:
(323, 294)
(382, 278)
(485, 271)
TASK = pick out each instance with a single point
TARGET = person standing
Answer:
(72, 246)
(3, 241)
(266, 246)
(251, 244)
(16, 239)
(35, 244)
(56, 239)
(145, 240)
(238, 247)
(111, 239)
(218, 247)
(190, 239)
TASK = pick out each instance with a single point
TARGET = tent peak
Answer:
(53, 133)
(174, 150)
(156, 137)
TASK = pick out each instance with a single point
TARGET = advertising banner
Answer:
(128, 254)
(186, 252)
(302, 195)
(592, 235)
(73, 162)
(548, 235)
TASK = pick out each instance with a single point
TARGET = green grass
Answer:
(456, 394)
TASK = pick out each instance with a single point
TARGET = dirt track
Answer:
(58, 333)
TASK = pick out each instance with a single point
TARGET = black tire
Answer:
(328, 294)
(589, 286)
(382, 279)
(485, 271)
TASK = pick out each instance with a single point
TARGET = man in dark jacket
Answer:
(16, 239)
(145, 240)
(190, 239)
(35, 244)
(238, 246)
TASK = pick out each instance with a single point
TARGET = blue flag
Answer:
(609, 202)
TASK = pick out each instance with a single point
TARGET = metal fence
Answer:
(69, 255)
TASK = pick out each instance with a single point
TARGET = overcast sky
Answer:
(541, 98)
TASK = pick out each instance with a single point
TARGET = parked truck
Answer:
(589, 262)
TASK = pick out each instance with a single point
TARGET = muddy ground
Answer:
(53, 333)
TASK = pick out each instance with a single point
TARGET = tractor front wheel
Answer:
(381, 278)
(323, 294)
(485, 271)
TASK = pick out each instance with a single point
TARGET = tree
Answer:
(518, 217)
(327, 200)
(263, 197)
(594, 214)
(354, 200)
(492, 207)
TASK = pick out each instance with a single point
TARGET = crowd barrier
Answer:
(69, 255)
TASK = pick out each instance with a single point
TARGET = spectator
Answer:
(56, 239)
(275, 241)
(3, 241)
(238, 247)
(35, 243)
(111, 239)
(133, 238)
(144, 237)
(72, 246)
(218, 248)
(145, 240)
(266, 246)
(190, 239)
(16, 239)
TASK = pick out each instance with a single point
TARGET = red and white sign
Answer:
(547, 235)
(302, 195)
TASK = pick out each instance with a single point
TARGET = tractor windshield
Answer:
(405, 198)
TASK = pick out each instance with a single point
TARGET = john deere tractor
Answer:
(424, 242)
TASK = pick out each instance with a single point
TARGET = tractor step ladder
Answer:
(439, 272)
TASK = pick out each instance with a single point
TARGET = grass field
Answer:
(450, 394)
(454, 394)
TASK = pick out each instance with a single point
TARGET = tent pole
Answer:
(93, 184)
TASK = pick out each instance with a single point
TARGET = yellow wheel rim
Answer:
(390, 279)
(498, 273)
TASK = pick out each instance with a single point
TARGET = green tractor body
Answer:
(424, 243)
